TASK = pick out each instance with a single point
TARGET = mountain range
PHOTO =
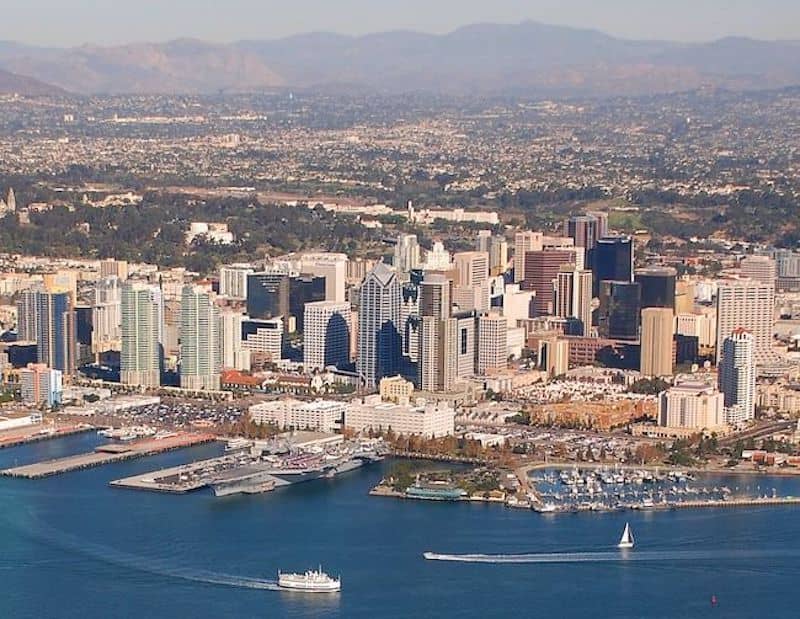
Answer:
(527, 58)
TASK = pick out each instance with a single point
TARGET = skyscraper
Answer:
(200, 340)
(379, 342)
(55, 331)
(762, 269)
(268, 295)
(114, 268)
(407, 253)
(525, 242)
(472, 267)
(658, 330)
(107, 315)
(613, 259)
(737, 376)
(326, 337)
(750, 305)
(619, 314)
(437, 367)
(541, 270)
(573, 296)
(233, 354)
(233, 280)
(330, 266)
(586, 230)
(492, 343)
(657, 286)
(304, 289)
(142, 327)
(26, 315)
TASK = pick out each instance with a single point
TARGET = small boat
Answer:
(312, 581)
(626, 541)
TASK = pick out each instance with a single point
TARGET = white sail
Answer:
(626, 541)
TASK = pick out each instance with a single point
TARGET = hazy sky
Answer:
(72, 22)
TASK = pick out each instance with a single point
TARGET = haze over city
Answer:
(114, 22)
(364, 309)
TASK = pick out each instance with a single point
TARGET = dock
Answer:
(35, 434)
(175, 480)
(108, 454)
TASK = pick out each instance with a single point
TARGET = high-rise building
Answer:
(233, 280)
(472, 267)
(40, 384)
(56, 336)
(407, 255)
(263, 338)
(573, 296)
(691, 405)
(114, 268)
(304, 289)
(749, 305)
(541, 270)
(658, 330)
(737, 376)
(613, 259)
(497, 248)
(438, 356)
(326, 337)
(142, 331)
(200, 341)
(233, 354)
(330, 266)
(435, 296)
(684, 296)
(525, 242)
(492, 343)
(379, 342)
(586, 230)
(268, 295)
(619, 314)
(657, 285)
(762, 269)
(437, 259)
(107, 315)
(26, 315)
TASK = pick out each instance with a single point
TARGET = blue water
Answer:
(71, 546)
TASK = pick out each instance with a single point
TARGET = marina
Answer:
(108, 454)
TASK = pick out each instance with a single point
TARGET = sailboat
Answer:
(626, 541)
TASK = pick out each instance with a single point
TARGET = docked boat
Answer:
(626, 541)
(312, 581)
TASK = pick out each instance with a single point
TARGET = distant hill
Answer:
(11, 83)
(526, 58)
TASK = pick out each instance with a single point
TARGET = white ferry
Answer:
(312, 581)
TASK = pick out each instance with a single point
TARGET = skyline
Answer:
(81, 22)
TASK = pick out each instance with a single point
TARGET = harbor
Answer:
(108, 454)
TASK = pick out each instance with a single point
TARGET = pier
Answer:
(177, 479)
(35, 434)
(108, 454)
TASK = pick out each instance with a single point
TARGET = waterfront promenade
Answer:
(107, 454)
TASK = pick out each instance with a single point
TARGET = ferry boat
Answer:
(312, 581)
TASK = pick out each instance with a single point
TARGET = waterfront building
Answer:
(379, 342)
(573, 297)
(326, 335)
(142, 331)
(233, 280)
(658, 330)
(737, 376)
(40, 385)
(396, 389)
(657, 286)
(200, 340)
(750, 305)
(425, 419)
(290, 414)
(56, 336)
(693, 404)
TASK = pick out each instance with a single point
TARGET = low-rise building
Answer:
(427, 419)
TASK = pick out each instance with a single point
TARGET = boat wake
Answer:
(615, 557)
(156, 566)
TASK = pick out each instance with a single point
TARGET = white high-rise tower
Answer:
(142, 325)
(737, 376)
(200, 341)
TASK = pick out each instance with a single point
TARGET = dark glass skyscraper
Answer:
(658, 286)
(618, 316)
(613, 260)
(267, 295)
(304, 289)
